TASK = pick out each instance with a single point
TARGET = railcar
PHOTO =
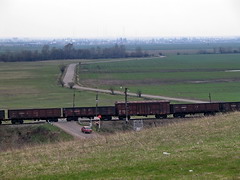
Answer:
(229, 106)
(48, 114)
(2, 116)
(181, 110)
(142, 108)
(161, 109)
(106, 112)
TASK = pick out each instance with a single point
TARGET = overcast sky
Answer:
(119, 18)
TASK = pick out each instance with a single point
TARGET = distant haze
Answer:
(119, 18)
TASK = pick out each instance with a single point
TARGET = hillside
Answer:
(206, 148)
(16, 137)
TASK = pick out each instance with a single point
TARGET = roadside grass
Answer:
(191, 76)
(14, 137)
(206, 148)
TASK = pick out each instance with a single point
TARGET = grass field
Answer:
(35, 85)
(191, 76)
(206, 148)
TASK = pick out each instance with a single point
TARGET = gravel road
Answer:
(74, 129)
(70, 74)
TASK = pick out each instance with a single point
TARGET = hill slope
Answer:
(206, 148)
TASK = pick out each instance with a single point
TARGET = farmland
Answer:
(35, 85)
(192, 76)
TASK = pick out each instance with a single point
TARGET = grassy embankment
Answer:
(192, 76)
(15, 137)
(35, 85)
(206, 148)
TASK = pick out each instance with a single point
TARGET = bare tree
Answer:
(71, 84)
(139, 93)
(112, 90)
(60, 82)
(62, 68)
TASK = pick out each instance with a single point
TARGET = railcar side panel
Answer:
(2, 114)
(194, 108)
(143, 108)
(230, 106)
(37, 114)
(89, 112)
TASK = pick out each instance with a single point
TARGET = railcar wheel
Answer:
(164, 116)
(175, 115)
(55, 120)
(120, 117)
(13, 121)
(157, 116)
(182, 116)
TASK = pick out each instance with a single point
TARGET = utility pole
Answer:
(210, 98)
(74, 104)
(74, 98)
(97, 108)
(126, 106)
(97, 104)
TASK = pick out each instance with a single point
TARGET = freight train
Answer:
(160, 109)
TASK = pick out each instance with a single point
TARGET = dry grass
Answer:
(208, 146)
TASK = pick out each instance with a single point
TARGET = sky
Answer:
(118, 18)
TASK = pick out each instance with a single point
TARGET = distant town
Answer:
(111, 41)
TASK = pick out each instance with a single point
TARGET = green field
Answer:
(190, 76)
(206, 148)
(35, 85)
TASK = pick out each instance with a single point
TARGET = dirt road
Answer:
(70, 75)
(74, 129)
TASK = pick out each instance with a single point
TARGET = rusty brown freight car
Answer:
(230, 106)
(89, 112)
(2, 116)
(143, 108)
(49, 114)
(181, 110)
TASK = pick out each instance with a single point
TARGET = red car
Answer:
(86, 129)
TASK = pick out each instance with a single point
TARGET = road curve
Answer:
(70, 75)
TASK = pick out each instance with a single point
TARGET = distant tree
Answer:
(139, 93)
(111, 90)
(60, 82)
(62, 68)
(45, 52)
(71, 84)
(222, 50)
(68, 51)
(139, 52)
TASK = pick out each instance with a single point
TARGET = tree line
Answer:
(220, 50)
(69, 52)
